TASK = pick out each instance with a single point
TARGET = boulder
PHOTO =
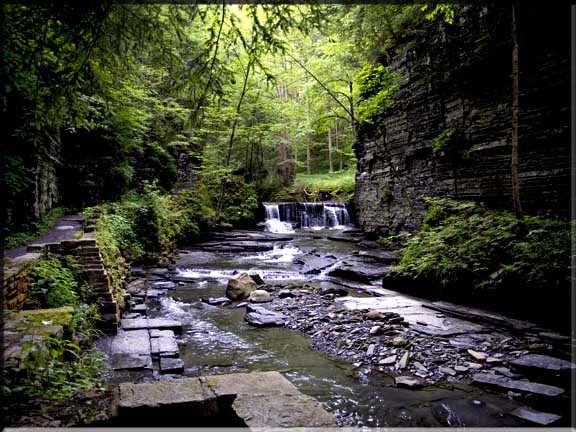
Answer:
(260, 296)
(240, 286)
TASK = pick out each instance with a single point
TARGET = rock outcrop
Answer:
(458, 77)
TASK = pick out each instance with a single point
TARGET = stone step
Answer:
(152, 323)
(171, 365)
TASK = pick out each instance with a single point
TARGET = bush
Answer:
(463, 247)
(54, 283)
(56, 371)
(145, 227)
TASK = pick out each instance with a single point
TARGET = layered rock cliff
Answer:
(457, 79)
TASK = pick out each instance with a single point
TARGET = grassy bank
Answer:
(319, 187)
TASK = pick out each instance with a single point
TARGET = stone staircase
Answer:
(91, 266)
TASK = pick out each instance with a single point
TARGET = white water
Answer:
(273, 223)
(223, 275)
(282, 253)
(283, 217)
(278, 227)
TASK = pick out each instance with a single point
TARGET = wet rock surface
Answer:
(418, 343)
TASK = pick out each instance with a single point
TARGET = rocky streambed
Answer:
(389, 359)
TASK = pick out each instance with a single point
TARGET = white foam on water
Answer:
(278, 227)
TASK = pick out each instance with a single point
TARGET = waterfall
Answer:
(273, 222)
(284, 217)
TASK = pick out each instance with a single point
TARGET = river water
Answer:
(217, 340)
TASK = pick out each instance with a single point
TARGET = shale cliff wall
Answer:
(459, 77)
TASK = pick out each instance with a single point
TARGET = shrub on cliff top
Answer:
(462, 246)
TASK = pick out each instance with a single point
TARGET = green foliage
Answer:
(83, 324)
(314, 187)
(378, 89)
(462, 245)
(34, 229)
(240, 202)
(395, 241)
(54, 283)
(448, 10)
(55, 370)
(146, 226)
(442, 140)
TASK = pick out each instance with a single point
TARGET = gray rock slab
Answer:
(359, 271)
(140, 308)
(163, 285)
(533, 416)
(136, 342)
(136, 286)
(514, 385)
(381, 256)
(479, 315)
(152, 323)
(314, 264)
(123, 361)
(408, 382)
(264, 399)
(155, 333)
(215, 301)
(171, 365)
(164, 346)
(267, 399)
(160, 393)
(545, 363)
(258, 316)
(195, 258)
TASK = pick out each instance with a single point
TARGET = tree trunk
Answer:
(515, 95)
(308, 139)
(338, 149)
(330, 150)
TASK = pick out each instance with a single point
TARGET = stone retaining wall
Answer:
(14, 289)
(92, 268)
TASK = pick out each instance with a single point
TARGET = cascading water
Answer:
(284, 217)
(273, 222)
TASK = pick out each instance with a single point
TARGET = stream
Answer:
(217, 340)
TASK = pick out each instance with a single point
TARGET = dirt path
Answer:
(64, 229)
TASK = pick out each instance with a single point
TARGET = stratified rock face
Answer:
(459, 77)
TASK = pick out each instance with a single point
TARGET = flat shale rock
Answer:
(268, 400)
(314, 264)
(164, 346)
(533, 416)
(140, 308)
(131, 342)
(544, 363)
(408, 382)
(171, 365)
(381, 256)
(130, 350)
(163, 285)
(522, 386)
(480, 316)
(152, 323)
(258, 316)
(359, 272)
(130, 362)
